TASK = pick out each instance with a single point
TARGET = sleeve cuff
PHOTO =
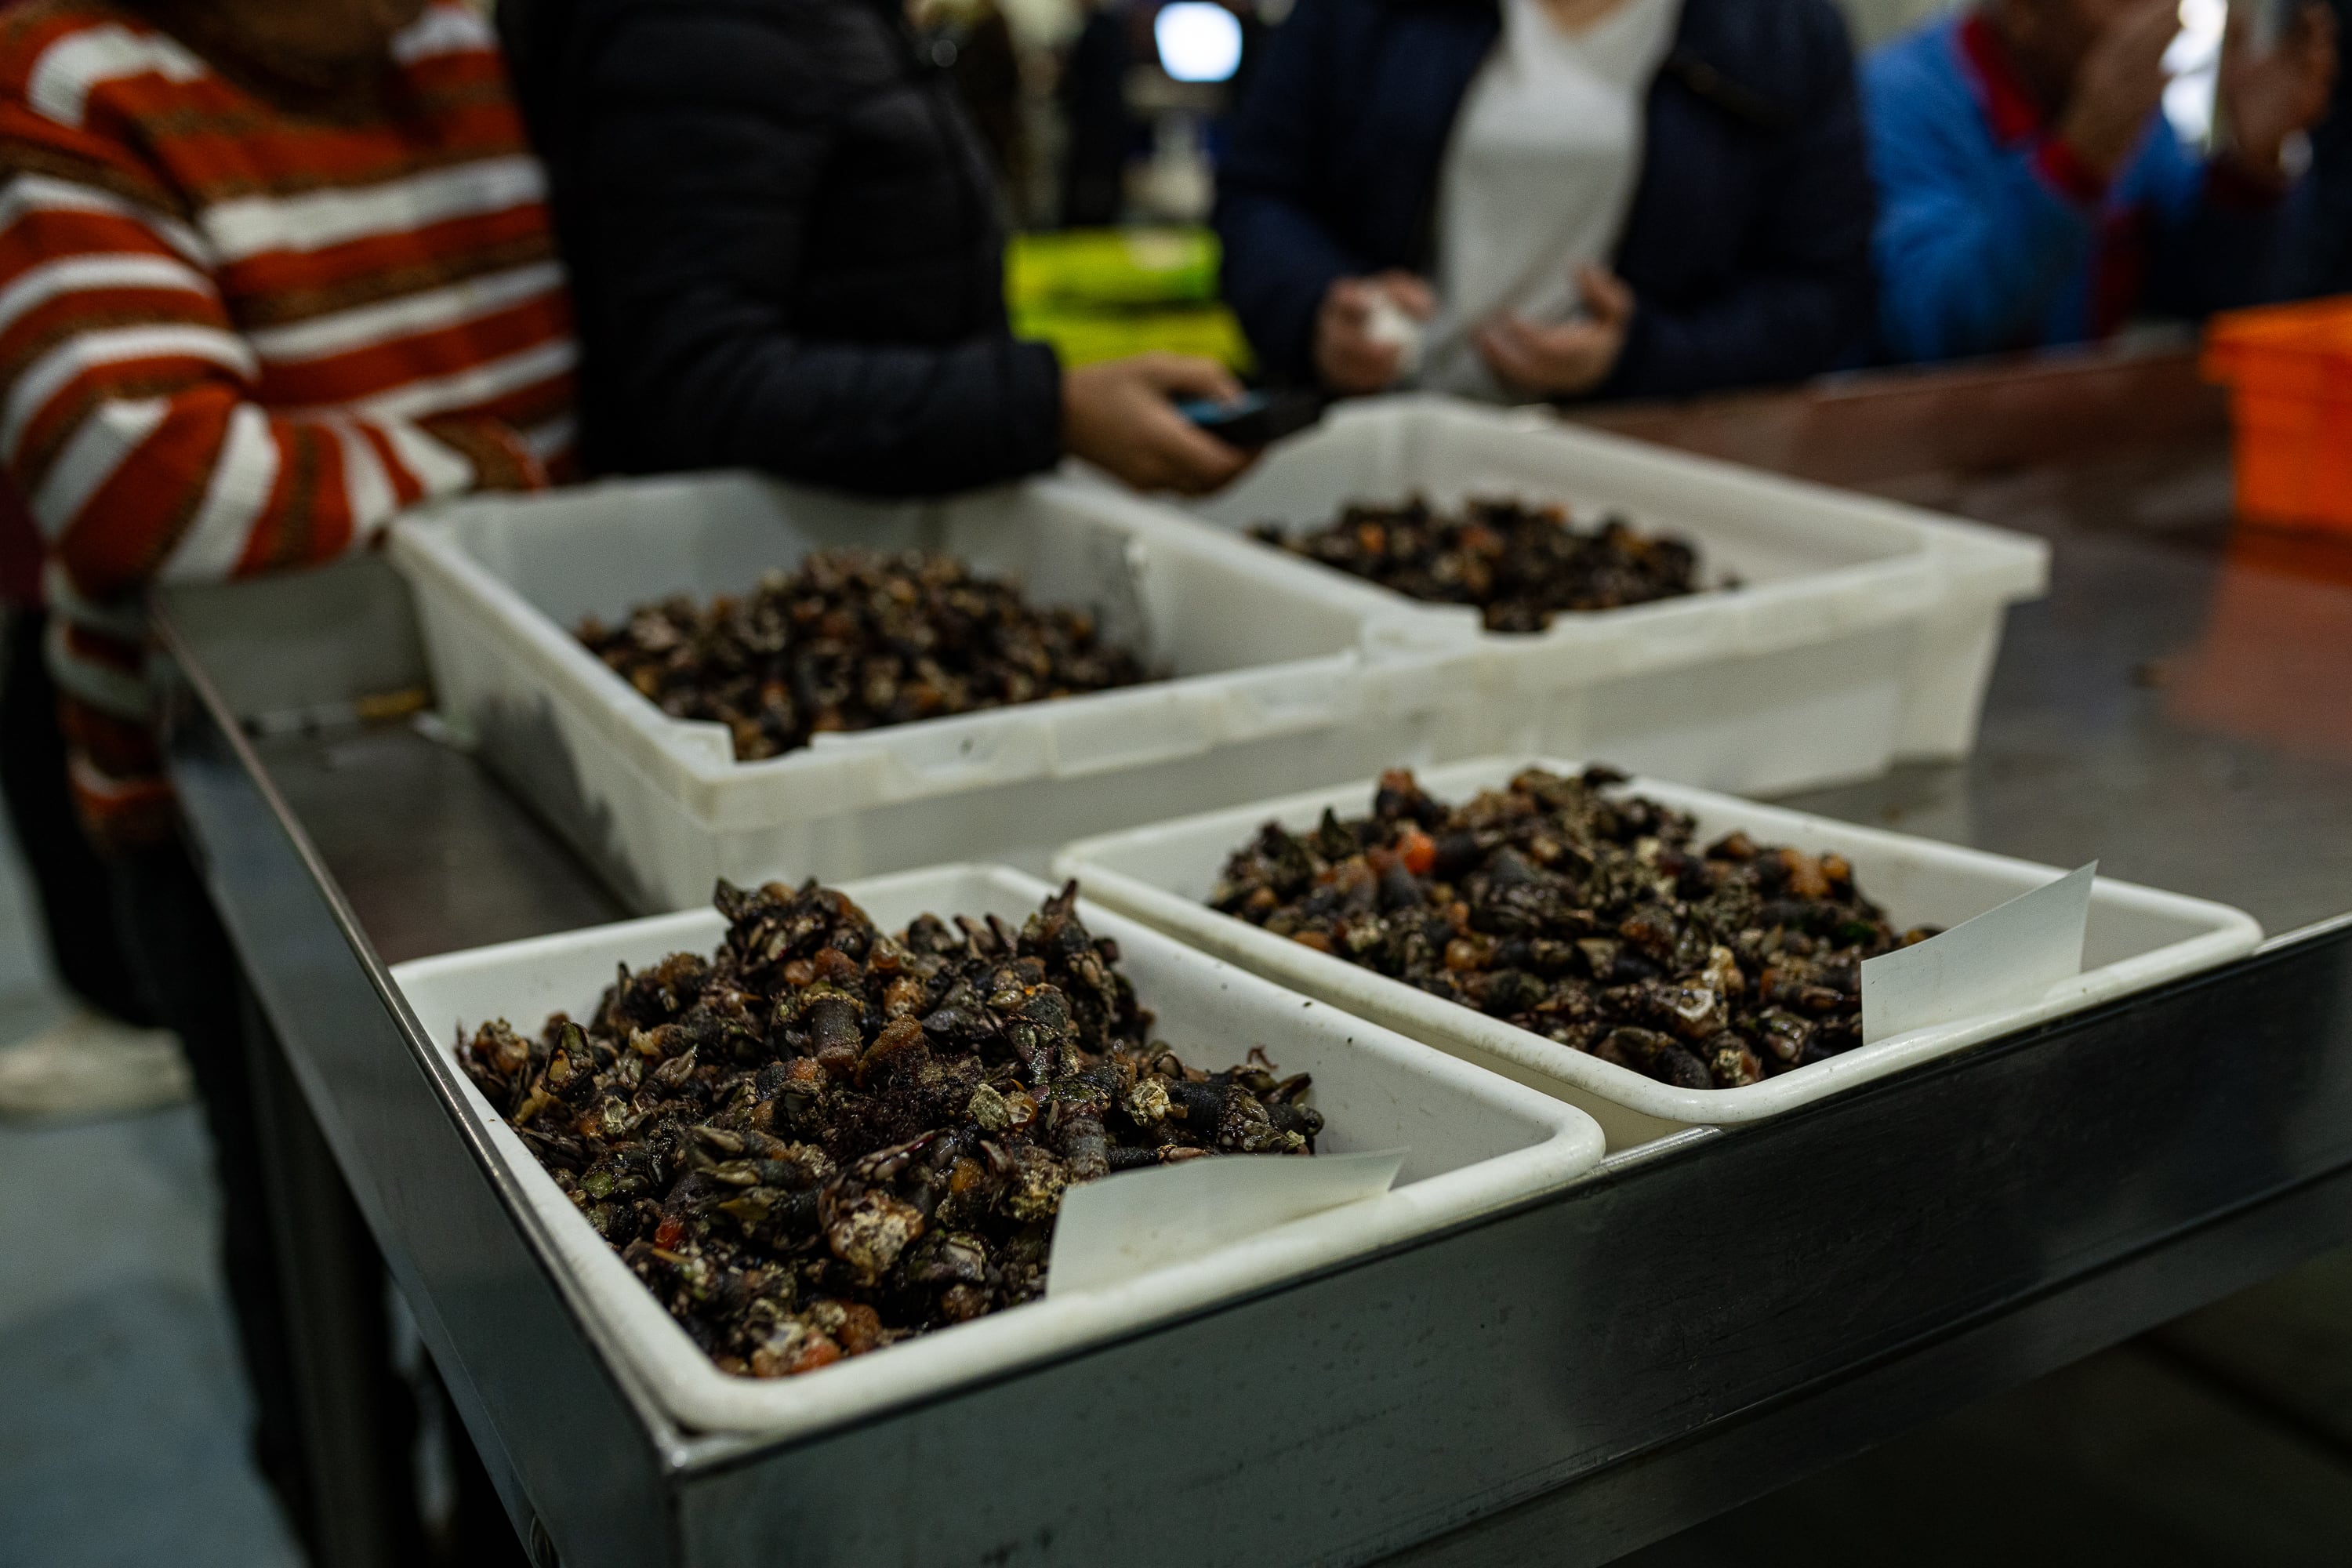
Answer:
(501, 459)
(1036, 408)
(2064, 170)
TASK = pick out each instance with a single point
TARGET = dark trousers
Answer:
(69, 883)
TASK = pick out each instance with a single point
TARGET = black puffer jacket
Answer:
(785, 245)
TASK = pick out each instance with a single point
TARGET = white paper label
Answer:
(1387, 323)
(1112, 1230)
(2007, 957)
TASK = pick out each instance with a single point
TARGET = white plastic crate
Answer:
(1863, 632)
(1477, 1142)
(2138, 937)
(1268, 690)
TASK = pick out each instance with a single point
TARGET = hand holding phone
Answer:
(1254, 419)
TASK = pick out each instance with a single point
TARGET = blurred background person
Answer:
(104, 1057)
(973, 42)
(1100, 136)
(1145, 89)
(270, 270)
(1550, 198)
(2031, 193)
(786, 248)
(2320, 259)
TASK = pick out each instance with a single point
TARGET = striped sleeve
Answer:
(127, 417)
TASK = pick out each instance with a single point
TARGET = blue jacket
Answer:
(1747, 243)
(1991, 236)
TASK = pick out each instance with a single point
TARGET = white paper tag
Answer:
(1112, 1230)
(2006, 957)
(1387, 323)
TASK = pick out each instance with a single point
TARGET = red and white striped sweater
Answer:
(240, 330)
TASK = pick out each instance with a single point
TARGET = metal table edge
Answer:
(688, 1458)
(711, 1453)
(663, 1436)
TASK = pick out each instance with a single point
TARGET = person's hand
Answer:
(2118, 84)
(2269, 98)
(1565, 360)
(1348, 357)
(1119, 416)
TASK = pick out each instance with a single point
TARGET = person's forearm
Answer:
(204, 486)
(874, 419)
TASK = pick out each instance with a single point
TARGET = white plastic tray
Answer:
(2138, 937)
(1477, 1142)
(1864, 631)
(1268, 690)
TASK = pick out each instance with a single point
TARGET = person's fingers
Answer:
(2155, 23)
(1559, 348)
(1189, 375)
(1606, 295)
(1376, 364)
(1412, 295)
(1201, 479)
(1349, 300)
(2140, 38)
(1491, 348)
(1507, 334)
(2316, 41)
(1194, 460)
(1503, 346)
(1575, 345)
(1539, 344)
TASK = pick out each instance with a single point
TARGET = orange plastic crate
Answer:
(2289, 371)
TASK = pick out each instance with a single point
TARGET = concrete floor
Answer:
(122, 1411)
(2224, 1439)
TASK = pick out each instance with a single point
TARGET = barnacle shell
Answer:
(1519, 564)
(1583, 915)
(821, 1138)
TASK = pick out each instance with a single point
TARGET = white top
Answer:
(1537, 179)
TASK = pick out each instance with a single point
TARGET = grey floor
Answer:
(2225, 1439)
(122, 1416)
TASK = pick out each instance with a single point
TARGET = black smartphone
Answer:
(1254, 419)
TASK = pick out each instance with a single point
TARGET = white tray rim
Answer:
(1949, 559)
(427, 543)
(2231, 933)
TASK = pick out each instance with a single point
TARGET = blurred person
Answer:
(270, 270)
(103, 1058)
(2031, 194)
(973, 43)
(1100, 133)
(1546, 199)
(787, 255)
(2320, 251)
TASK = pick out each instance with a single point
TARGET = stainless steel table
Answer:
(1704, 1319)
